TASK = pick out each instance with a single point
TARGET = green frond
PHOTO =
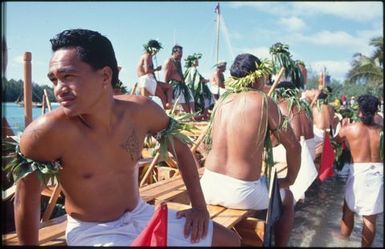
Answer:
(19, 166)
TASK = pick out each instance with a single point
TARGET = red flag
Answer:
(155, 233)
(327, 159)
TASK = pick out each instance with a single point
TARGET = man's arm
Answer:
(341, 136)
(36, 143)
(27, 209)
(167, 67)
(287, 138)
(198, 216)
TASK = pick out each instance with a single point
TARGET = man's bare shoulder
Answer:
(131, 99)
(138, 104)
(44, 135)
(168, 62)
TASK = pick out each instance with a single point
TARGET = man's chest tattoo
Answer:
(131, 145)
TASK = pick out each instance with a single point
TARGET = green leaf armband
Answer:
(18, 166)
(173, 130)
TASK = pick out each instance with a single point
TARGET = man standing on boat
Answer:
(93, 142)
(217, 80)
(148, 84)
(364, 194)
(198, 85)
(173, 75)
(240, 122)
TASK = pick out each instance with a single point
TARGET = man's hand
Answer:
(345, 122)
(197, 221)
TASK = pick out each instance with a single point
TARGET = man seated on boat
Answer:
(173, 75)
(365, 184)
(241, 120)
(93, 141)
(145, 70)
(198, 86)
(217, 81)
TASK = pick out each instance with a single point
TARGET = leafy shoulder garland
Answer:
(292, 97)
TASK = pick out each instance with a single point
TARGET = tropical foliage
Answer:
(12, 90)
(281, 57)
(368, 69)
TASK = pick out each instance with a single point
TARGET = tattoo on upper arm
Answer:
(131, 145)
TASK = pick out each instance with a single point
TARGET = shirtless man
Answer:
(218, 80)
(232, 176)
(97, 138)
(323, 115)
(173, 75)
(148, 84)
(364, 187)
(300, 120)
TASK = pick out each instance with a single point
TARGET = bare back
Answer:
(301, 124)
(145, 65)
(363, 141)
(323, 117)
(238, 134)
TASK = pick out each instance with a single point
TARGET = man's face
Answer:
(178, 54)
(77, 86)
(222, 68)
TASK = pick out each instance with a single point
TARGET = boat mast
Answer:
(218, 11)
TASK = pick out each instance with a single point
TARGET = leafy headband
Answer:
(152, 46)
(191, 58)
(242, 84)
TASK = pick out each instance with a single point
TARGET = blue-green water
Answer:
(14, 114)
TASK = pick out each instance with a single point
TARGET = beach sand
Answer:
(317, 220)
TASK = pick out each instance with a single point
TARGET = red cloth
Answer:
(155, 233)
(327, 160)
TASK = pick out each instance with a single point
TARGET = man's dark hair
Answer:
(176, 48)
(325, 93)
(91, 47)
(368, 106)
(243, 65)
(154, 44)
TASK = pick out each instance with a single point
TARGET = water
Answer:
(14, 114)
(317, 221)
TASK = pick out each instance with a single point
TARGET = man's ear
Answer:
(107, 75)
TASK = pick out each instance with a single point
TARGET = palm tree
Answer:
(368, 70)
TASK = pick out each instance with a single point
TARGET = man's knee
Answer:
(225, 237)
(288, 200)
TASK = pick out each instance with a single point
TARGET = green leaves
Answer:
(281, 57)
(189, 61)
(175, 128)
(236, 85)
(19, 166)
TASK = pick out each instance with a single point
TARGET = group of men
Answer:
(97, 139)
(189, 88)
